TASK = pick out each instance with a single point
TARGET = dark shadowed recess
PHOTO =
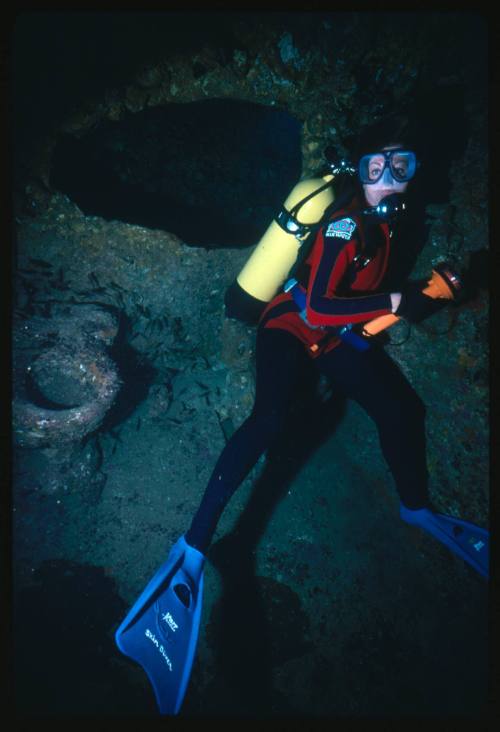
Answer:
(213, 172)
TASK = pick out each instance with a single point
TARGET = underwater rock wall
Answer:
(335, 73)
(342, 605)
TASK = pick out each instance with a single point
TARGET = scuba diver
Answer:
(336, 290)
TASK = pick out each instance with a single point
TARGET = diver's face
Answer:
(375, 192)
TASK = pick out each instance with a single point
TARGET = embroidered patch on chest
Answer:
(343, 228)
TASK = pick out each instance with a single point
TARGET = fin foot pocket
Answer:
(184, 594)
(466, 540)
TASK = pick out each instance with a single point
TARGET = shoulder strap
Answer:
(307, 243)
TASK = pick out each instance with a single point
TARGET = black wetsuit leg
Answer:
(377, 384)
(279, 361)
(371, 378)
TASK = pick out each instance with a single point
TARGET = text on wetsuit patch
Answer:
(343, 228)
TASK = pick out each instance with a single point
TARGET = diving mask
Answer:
(401, 164)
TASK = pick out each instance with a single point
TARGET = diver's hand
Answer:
(414, 306)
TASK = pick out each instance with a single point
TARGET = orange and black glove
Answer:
(415, 306)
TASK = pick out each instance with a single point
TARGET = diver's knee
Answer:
(270, 424)
(402, 411)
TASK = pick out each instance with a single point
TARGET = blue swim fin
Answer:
(160, 632)
(467, 540)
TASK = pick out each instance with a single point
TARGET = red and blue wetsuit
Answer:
(341, 276)
(341, 289)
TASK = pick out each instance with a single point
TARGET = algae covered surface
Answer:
(319, 602)
(323, 604)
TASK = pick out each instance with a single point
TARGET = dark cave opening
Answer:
(213, 172)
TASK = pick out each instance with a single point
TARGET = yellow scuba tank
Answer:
(270, 262)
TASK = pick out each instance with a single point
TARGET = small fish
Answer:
(138, 425)
(100, 454)
(114, 448)
(94, 280)
(27, 284)
(116, 435)
(172, 371)
(40, 262)
(119, 299)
